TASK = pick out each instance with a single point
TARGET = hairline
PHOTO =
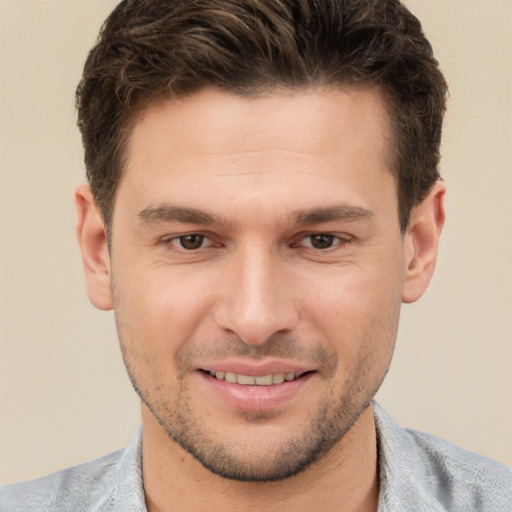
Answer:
(391, 133)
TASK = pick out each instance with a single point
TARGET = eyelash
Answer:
(337, 241)
(171, 241)
(176, 242)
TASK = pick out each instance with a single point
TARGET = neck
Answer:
(345, 479)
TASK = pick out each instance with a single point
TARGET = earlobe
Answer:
(92, 238)
(421, 243)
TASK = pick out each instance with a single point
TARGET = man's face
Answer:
(257, 270)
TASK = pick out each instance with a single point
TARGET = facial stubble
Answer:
(324, 427)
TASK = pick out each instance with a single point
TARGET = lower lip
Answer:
(257, 398)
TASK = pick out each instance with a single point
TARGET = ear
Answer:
(92, 238)
(421, 242)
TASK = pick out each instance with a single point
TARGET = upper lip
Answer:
(257, 369)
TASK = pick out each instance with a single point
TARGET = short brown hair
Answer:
(150, 48)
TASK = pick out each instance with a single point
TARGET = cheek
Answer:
(357, 308)
(159, 308)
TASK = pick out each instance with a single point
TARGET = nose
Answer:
(256, 297)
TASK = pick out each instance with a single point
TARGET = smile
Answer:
(249, 380)
(251, 388)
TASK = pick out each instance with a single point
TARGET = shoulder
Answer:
(421, 468)
(82, 485)
(113, 482)
(469, 478)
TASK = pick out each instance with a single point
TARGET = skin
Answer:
(254, 181)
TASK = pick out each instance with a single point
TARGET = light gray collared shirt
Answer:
(418, 473)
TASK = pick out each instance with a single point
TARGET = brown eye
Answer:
(322, 241)
(191, 242)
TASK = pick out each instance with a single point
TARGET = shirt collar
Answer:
(130, 489)
(402, 472)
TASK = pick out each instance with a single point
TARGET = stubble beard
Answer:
(289, 459)
(322, 430)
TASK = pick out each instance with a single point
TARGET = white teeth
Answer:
(264, 381)
(231, 377)
(278, 378)
(248, 380)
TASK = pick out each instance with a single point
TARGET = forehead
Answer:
(305, 119)
(301, 143)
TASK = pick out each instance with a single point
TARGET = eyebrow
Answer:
(170, 213)
(185, 215)
(332, 214)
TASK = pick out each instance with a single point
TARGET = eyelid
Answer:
(340, 239)
(170, 240)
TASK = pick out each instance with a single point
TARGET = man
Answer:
(263, 195)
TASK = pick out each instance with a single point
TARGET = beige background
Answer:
(64, 396)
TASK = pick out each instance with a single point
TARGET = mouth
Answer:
(251, 380)
(249, 388)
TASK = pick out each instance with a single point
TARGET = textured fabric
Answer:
(418, 473)
(112, 483)
(422, 473)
